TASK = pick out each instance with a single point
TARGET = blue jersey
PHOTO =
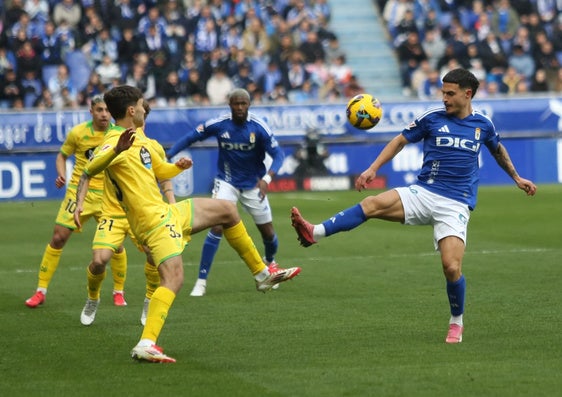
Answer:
(450, 152)
(242, 148)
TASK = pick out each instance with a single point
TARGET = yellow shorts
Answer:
(92, 208)
(111, 233)
(171, 236)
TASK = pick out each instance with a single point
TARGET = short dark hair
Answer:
(464, 78)
(119, 98)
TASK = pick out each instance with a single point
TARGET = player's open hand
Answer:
(125, 141)
(184, 163)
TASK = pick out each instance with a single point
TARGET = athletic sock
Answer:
(345, 220)
(210, 248)
(158, 309)
(48, 266)
(456, 292)
(118, 265)
(94, 284)
(152, 279)
(240, 240)
(271, 248)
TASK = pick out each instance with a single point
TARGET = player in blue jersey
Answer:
(243, 142)
(446, 188)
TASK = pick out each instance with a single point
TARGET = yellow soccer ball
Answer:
(363, 111)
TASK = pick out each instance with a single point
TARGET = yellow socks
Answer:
(240, 240)
(94, 284)
(158, 308)
(48, 267)
(118, 265)
(152, 279)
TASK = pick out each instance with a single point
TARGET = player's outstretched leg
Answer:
(303, 228)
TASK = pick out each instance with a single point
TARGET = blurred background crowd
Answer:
(512, 46)
(58, 53)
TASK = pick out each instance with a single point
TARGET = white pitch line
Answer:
(338, 258)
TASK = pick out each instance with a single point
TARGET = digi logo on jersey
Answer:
(145, 158)
(244, 147)
(447, 141)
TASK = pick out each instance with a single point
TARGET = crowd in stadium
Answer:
(512, 46)
(58, 53)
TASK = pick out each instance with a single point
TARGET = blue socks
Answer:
(345, 220)
(210, 248)
(455, 292)
(271, 248)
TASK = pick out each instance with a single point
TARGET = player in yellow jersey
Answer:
(80, 142)
(133, 167)
(111, 232)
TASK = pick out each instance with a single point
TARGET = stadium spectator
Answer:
(127, 48)
(505, 22)
(108, 71)
(27, 59)
(124, 15)
(219, 86)
(93, 87)
(296, 76)
(13, 12)
(45, 101)
(68, 11)
(10, 89)
(510, 80)
(61, 87)
(196, 89)
(434, 46)
(547, 60)
(523, 63)
(312, 48)
(32, 87)
(50, 46)
(410, 54)
(143, 79)
(173, 91)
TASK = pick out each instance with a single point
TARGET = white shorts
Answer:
(447, 216)
(250, 200)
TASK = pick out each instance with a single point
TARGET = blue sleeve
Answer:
(277, 154)
(184, 142)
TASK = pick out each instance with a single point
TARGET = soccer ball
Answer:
(363, 111)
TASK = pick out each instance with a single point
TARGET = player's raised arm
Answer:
(391, 149)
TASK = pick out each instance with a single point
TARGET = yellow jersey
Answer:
(81, 142)
(133, 176)
(110, 205)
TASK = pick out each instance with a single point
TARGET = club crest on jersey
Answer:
(90, 153)
(477, 134)
(252, 137)
(145, 158)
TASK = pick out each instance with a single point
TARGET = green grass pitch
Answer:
(367, 316)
